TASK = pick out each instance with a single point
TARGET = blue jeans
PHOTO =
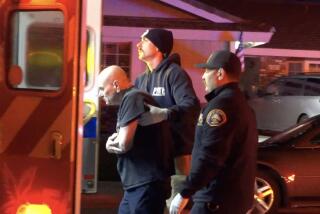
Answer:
(147, 199)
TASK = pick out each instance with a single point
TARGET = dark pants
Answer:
(204, 208)
(146, 199)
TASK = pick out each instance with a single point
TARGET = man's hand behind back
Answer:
(153, 116)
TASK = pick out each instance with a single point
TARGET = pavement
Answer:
(105, 201)
(108, 197)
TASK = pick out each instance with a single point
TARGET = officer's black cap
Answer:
(222, 59)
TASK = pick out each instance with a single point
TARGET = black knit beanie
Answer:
(161, 38)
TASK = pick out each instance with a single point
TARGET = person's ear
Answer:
(220, 73)
(116, 85)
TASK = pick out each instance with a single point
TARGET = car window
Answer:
(312, 87)
(291, 87)
(274, 87)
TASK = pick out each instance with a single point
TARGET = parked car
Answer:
(288, 172)
(286, 101)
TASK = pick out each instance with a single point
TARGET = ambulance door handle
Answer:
(56, 145)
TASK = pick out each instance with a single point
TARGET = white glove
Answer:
(177, 204)
(153, 116)
(112, 142)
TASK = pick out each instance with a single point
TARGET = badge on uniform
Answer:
(216, 117)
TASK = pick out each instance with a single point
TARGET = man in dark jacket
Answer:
(172, 88)
(145, 161)
(222, 175)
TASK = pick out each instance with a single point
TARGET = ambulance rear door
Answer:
(42, 44)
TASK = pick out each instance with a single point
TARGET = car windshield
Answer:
(294, 131)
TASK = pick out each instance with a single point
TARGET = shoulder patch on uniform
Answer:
(216, 117)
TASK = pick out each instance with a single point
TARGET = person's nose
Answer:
(139, 44)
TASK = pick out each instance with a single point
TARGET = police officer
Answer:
(172, 88)
(145, 161)
(224, 154)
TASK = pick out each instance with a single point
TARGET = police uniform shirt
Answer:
(224, 153)
(149, 159)
(172, 88)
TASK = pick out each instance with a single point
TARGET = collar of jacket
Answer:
(165, 62)
(218, 90)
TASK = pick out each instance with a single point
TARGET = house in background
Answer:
(293, 48)
(198, 29)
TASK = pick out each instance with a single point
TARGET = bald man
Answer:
(145, 161)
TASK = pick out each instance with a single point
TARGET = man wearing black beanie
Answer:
(172, 88)
(161, 38)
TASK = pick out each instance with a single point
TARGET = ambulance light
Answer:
(34, 209)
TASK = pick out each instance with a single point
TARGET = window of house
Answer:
(295, 67)
(314, 67)
(117, 53)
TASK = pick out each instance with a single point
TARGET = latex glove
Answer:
(153, 116)
(112, 142)
(178, 204)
